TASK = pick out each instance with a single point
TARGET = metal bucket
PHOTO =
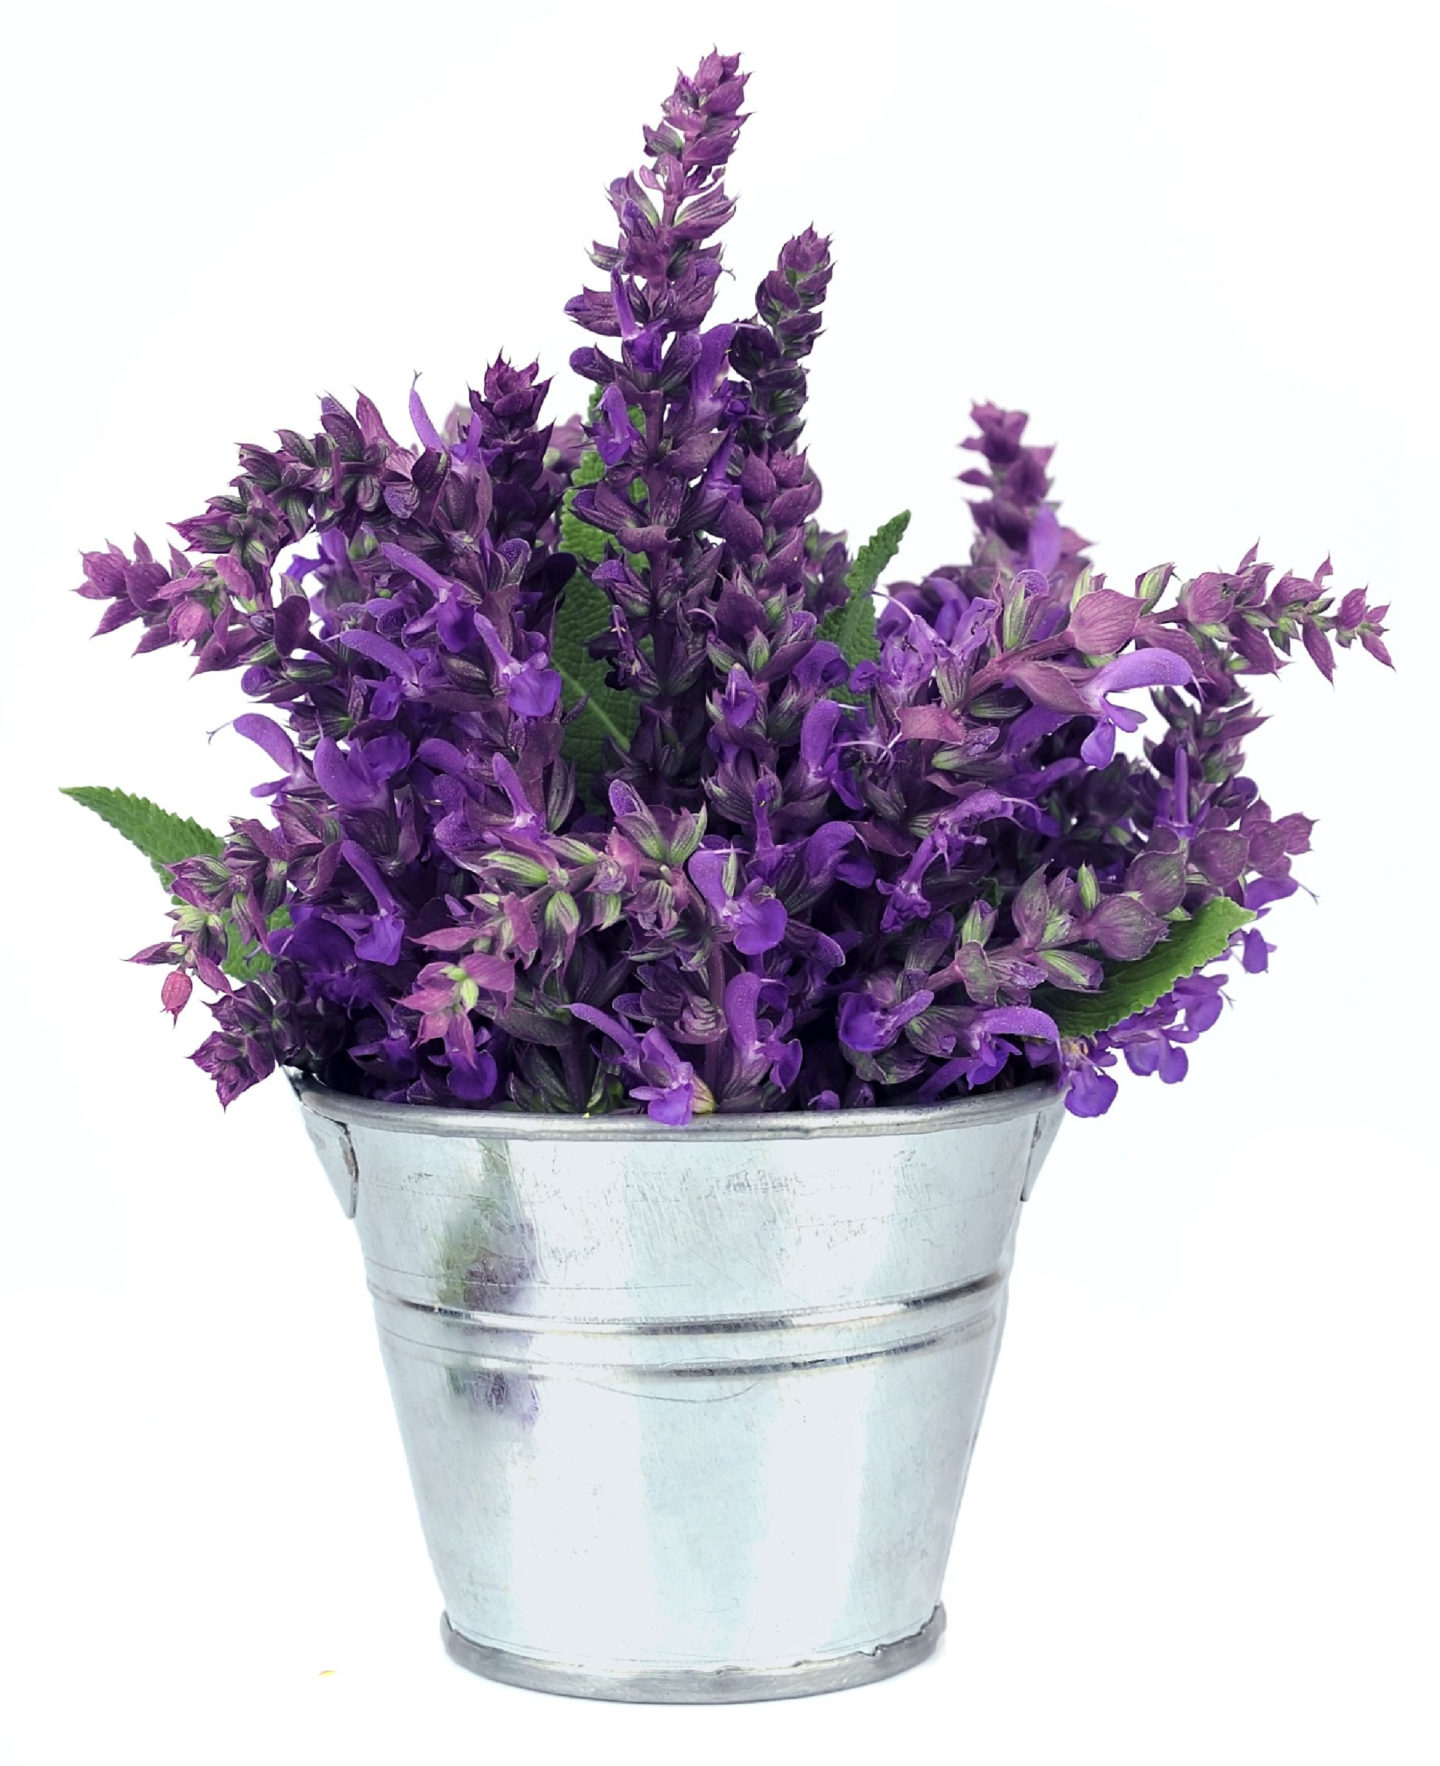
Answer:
(688, 1412)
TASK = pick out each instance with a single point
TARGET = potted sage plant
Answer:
(683, 953)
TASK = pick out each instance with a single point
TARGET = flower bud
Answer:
(175, 992)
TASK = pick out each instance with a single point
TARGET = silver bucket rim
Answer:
(900, 1119)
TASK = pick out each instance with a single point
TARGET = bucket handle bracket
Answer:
(331, 1141)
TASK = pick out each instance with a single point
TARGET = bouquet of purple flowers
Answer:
(603, 780)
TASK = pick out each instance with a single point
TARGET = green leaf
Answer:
(244, 961)
(876, 553)
(577, 536)
(857, 639)
(852, 625)
(590, 469)
(1131, 987)
(165, 839)
(584, 613)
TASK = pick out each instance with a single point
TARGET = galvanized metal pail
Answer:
(688, 1411)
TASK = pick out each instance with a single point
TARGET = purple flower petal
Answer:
(1141, 668)
(760, 926)
(267, 734)
(1090, 1092)
(1098, 748)
(534, 692)
(381, 650)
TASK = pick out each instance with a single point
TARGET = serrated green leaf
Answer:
(852, 625)
(876, 553)
(1131, 987)
(576, 536)
(243, 962)
(583, 614)
(580, 539)
(165, 839)
(589, 470)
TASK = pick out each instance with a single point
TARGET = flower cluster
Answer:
(598, 783)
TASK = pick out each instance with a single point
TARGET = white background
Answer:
(1197, 243)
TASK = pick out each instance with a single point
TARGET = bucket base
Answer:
(696, 1686)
